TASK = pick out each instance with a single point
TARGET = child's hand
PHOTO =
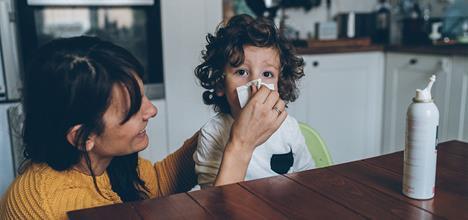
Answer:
(259, 119)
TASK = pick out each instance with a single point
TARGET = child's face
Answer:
(259, 62)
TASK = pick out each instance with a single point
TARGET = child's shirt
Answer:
(284, 152)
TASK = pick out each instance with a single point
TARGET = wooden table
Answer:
(369, 188)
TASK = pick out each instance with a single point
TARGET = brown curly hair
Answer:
(226, 47)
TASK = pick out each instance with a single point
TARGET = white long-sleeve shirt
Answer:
(267, 158)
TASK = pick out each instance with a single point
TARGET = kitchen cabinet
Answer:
(157, 133)
(404, 73)
(341, 97)
(458, 113)
(6, 160)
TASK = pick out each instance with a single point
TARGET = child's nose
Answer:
(254, 76)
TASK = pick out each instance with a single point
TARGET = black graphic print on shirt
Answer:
(281, 163)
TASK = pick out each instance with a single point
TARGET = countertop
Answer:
(451, 50)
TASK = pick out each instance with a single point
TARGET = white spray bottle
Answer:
(420, 147)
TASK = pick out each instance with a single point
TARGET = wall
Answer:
(184, 26)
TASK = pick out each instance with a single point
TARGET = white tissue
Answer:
(243, 92)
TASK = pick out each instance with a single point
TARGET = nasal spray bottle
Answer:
(420, 148)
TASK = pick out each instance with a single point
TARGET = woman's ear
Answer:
(90, 142)
(71, 137)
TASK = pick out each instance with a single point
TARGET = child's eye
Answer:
(268, 74)
(241, 72)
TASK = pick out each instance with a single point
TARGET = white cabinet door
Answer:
(404, 74)
(341, 97)
(458, 116)
(157, 134)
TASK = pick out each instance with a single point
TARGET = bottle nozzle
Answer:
(425, 94)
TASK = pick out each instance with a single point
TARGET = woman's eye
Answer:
(241, 72)
(268, 74)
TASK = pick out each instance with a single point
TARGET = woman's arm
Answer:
(176, 173)
(257, 121)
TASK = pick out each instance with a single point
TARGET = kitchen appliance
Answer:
(417, 31)
(132, 24)
(454, 19)
(10, 79)
(326, 30)
(356, 25)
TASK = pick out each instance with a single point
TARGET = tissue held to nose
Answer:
(243, 92)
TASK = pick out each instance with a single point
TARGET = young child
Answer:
(244, 50)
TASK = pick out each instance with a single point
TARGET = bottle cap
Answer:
(425, 94)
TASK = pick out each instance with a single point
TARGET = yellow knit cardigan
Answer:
(43, 193)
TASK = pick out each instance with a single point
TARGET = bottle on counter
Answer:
(382, 29)
(415, 11)
(396, 23)
(420, 146)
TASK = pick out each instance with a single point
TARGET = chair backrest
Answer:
(316, 146)
(15, 120)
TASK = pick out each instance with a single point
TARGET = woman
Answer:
(85, 120)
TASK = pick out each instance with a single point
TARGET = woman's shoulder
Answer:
(35, 177)
(41, 192)
(26, 196)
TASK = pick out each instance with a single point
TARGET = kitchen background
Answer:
(355, 92)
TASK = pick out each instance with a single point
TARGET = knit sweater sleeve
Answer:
(176, 173)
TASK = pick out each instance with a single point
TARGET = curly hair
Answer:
(226, 47)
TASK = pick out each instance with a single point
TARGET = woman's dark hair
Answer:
(226, 48)
(69, 82)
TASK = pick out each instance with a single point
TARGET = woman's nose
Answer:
(149, 110)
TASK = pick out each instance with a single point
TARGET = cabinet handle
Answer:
(315, 63)
(445, 66)
(413, 61)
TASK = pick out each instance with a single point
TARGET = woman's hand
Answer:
(258, 120)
